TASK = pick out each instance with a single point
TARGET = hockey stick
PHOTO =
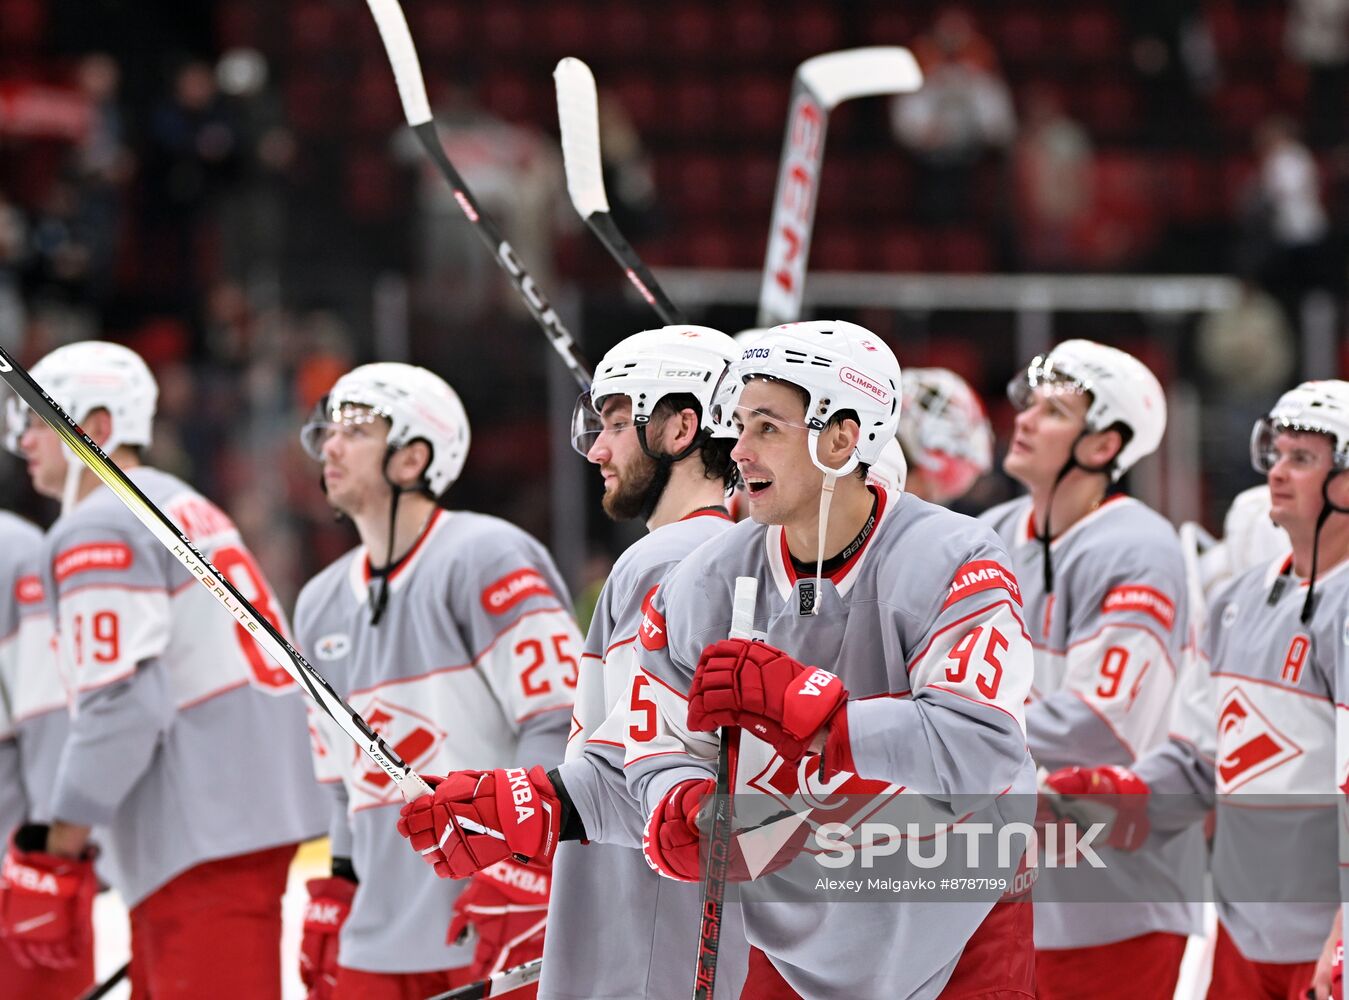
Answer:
(579, 120)
(407, 71)
(499, 985)
(820, 84)
(167, 534)
(719, 838)
(104, 988)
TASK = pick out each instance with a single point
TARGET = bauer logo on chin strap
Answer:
(805, 597)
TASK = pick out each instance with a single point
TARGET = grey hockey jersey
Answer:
(1256, 741)
(473, 665)
(923, 625)
(187, 743)
(606, 900)
(1108, 644)
(33, 717)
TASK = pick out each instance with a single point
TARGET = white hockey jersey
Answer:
(1256, 743)
(923, 625)
(187, 743)
(606, 899)
(33, 716)
(1108, 644)
(473, 665)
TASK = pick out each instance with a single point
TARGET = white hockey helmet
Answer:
(1121, 387)
(94, 375)
(418, 404)
(653, 364)
(944, 429)
(840, 366)
(1320, 406)
(891, 468)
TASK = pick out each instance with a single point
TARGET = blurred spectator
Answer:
(961, 116)
(1285, 247)
(1172, 52)
(13, 240)
(1317, 36)
(102, 165)
(254, 202)
(1053, 166)
(193, 147)
(515, 174)
(1246, 355)
(629, 181)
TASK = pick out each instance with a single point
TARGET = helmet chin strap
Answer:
(831, 477)
(70, 490)
(664, 466)
(1328, 507)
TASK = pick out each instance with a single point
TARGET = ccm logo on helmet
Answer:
(513, 588)
(982, 574)
(651, 632)
(872, 388)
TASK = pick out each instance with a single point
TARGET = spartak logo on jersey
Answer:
(843, 798)
(412, 736)
(1248, 743)
(511, 589)
(980, 575)
(651, 631)
(1138, 597)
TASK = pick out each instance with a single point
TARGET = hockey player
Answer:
(33, 725)
(1103, 582)
(1257, 741)
(646, 424)
(186, 746)
(816, 402)
(449, 631)
(945, 434)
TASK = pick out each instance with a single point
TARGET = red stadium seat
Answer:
(902, 251)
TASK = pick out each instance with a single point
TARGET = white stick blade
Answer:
(742, 607)
(407, 72)
(578, 116)
(879, 69)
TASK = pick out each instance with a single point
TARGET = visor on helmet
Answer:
(327, 419)
(587, 423)
(1265, 452)
(1041, 375)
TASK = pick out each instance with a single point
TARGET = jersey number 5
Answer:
(986, 680)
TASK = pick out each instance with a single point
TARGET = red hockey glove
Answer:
(507, 905)
(46, 901)
(329, 905)
(1111, 795)
(672, 838)
(765, 692)
(477, 818)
